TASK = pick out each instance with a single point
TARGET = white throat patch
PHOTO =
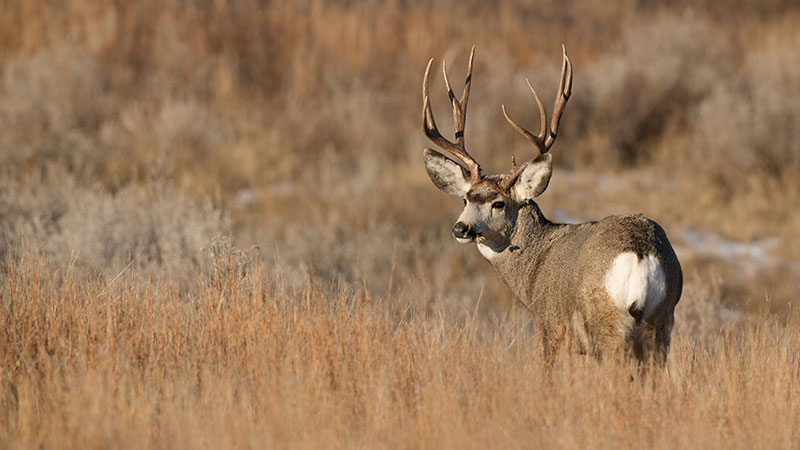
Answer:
(486, 251)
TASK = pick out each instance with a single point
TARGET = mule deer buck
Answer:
(600, 288)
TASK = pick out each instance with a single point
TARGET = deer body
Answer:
(598, 287)
(601, 288)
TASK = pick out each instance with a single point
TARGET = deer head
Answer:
(491, 202)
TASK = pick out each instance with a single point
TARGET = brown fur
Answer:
(558, 272)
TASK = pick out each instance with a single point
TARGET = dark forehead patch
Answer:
(483, 191)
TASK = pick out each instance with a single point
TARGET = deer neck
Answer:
(531, 237)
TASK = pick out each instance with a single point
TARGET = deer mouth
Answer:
(471, 237)
(468, 239)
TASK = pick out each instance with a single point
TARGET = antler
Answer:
(456, 148)
(543, 142)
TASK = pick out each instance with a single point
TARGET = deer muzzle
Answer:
(462, 231)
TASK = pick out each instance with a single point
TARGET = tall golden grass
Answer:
(241, 361)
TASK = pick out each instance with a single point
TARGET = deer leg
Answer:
(552, 337)
(579, 337)
(610, 333)
(661, 340)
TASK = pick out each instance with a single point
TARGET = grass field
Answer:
(242, 360)
(216, 230)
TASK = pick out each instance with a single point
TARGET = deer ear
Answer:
(534, 178)
(446, 174)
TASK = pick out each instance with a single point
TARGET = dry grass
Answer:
(253, 171)
(240, 360)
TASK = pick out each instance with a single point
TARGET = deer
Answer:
(606, 288)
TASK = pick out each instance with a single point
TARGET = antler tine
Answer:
(542, 142)
(460, 105)
(537, 140)
(428, 122)
(564, 92)
(458, 122)
(456, 148)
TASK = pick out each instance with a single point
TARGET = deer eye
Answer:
(465, 202)
(498, 205)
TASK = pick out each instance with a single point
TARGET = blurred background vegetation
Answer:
(146, 134)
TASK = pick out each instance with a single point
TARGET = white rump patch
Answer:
(636, 283)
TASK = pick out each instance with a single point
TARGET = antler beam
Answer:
(544, 140)
(456, 148)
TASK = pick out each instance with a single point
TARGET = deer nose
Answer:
(461, 230)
